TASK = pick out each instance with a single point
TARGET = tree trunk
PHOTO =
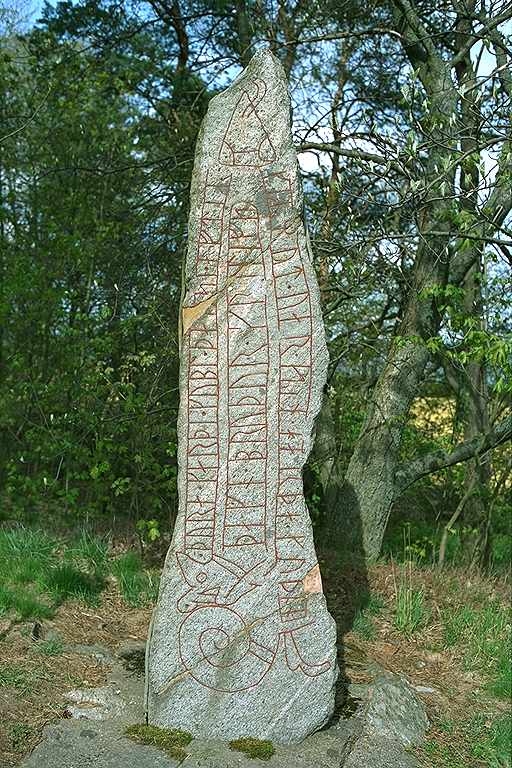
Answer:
(474, 396)
(369, 488)
(364, 506)
(472, 391)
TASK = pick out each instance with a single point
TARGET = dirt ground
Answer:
(34, 681)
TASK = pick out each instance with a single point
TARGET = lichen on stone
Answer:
(255, 748)
(169, 740)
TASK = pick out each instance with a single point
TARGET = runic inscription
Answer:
(241, 638)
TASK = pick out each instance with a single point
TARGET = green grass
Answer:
(170, 741)
(500, 684)
(39, 573)
(51, 647)
(484, 635)
(411, 613)
(20, 735)
(16, 676)
(481, 637)
(363, 626)
(419, 540)
(416, 540)
(26, 604)
(66, 582)
(91, 553)
(26, 554)
(254, 748)
(137, 586)
(495, 743)
(24, 543)
(475, 742)
(375, 604)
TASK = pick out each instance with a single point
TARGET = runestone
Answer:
(241, 640)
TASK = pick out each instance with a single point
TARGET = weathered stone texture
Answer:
(242, 643)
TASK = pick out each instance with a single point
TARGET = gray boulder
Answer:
(375, 736)
(395, 712)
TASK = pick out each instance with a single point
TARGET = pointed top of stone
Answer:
(265, 61)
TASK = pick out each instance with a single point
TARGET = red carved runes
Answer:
(241, 606)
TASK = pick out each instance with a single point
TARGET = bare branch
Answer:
(30, 119)
(171, 14)
(355, 154)
(504, 65)
(374, 32)
(489, 26)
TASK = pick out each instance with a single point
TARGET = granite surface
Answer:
(242, 642)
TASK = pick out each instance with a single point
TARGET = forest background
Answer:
(402, 119)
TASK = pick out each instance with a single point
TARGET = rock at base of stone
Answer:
(378, 753)
(71, 744)
(353, 743)
(394, 712)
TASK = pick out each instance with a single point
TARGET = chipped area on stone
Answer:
(192, 314)
(241, 640)
(313, 581)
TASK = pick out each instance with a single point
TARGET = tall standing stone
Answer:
(241, 641)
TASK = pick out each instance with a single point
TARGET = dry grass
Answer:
(458, 703)
(32, 683)
(110, 624)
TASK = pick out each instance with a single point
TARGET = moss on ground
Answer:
(168, 740)
(255, 748)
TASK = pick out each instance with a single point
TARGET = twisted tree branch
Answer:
(407, 474)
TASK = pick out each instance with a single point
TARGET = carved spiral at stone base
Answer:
(217, 650)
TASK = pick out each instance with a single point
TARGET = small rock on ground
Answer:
(371, 752)
(394, 712)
